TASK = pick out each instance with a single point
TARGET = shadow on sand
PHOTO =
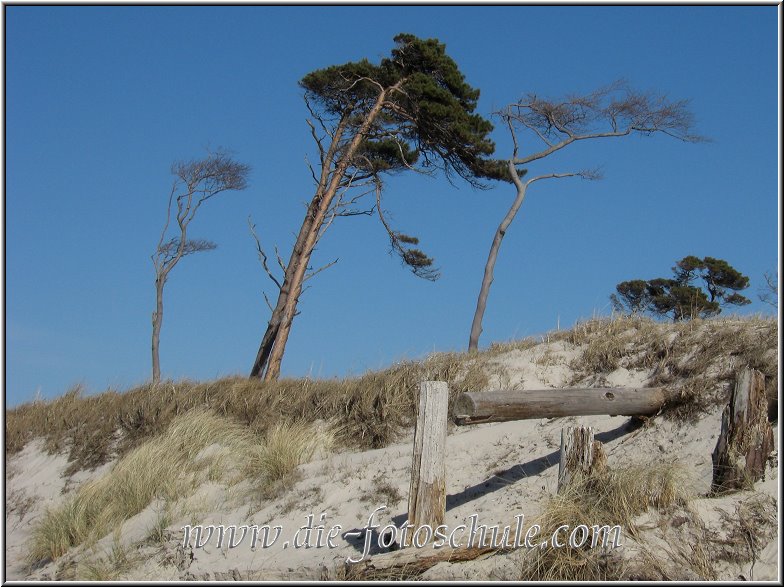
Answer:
(358, 539)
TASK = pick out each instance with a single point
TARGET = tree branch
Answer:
(262, 255)
(155, 257)
(316, 138)
(266, 299)
(320, 120)
(312, 171)
(588, 174)
(419, 263)
(319, 270)
(281, 263)
(613, 111)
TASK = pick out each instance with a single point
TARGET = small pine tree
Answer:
(634, 297)
(679, 297)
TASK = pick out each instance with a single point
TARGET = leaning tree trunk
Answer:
(157, 319)
(271, 354)
(273, 326)
(281, 338)
(273, 345)
(487, 280)
(320, 213)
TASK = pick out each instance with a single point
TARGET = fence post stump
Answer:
(746, 438)
(427, 494)
(581, 455)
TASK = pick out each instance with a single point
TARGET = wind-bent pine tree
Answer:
(613, 111)
(412, 111)
(679, 297)
(195, 182)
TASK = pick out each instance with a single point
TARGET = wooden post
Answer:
(581, 455)
(501, 406)
(427, 495)
(746, 438)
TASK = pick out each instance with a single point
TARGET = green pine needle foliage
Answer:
(427, 117)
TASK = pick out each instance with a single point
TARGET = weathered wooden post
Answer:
(581, 455)
(746, 438)
(427, 495)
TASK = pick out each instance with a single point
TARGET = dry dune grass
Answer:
(197, 446)
(696, 360)
(680, 349)
(368, 410)
(287, 445)
(108, 567)
(87, 426)
(165, 467)
(615, 497)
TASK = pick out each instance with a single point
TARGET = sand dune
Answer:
(495, 472)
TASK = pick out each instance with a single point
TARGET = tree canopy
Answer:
(427, 117)
(679, 297)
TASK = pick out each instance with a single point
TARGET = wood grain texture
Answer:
(581, 455)
(427, 494)
(746, 438)
(502, 406)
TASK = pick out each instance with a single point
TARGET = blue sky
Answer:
(101, 100)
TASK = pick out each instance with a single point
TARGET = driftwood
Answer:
(427, 494)
(502, 406)
(409, 563)
(581, 455)
(746, 438)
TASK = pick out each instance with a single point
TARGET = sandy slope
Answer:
(496, 471)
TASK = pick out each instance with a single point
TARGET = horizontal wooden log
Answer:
(502, 406)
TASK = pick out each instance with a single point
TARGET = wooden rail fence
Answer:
(745, 442)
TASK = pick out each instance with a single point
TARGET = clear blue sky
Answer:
(101, 100)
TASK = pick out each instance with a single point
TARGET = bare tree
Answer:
(195, 182)
(612, 111)
(769, 293)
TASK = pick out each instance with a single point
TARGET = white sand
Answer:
(495, 471)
